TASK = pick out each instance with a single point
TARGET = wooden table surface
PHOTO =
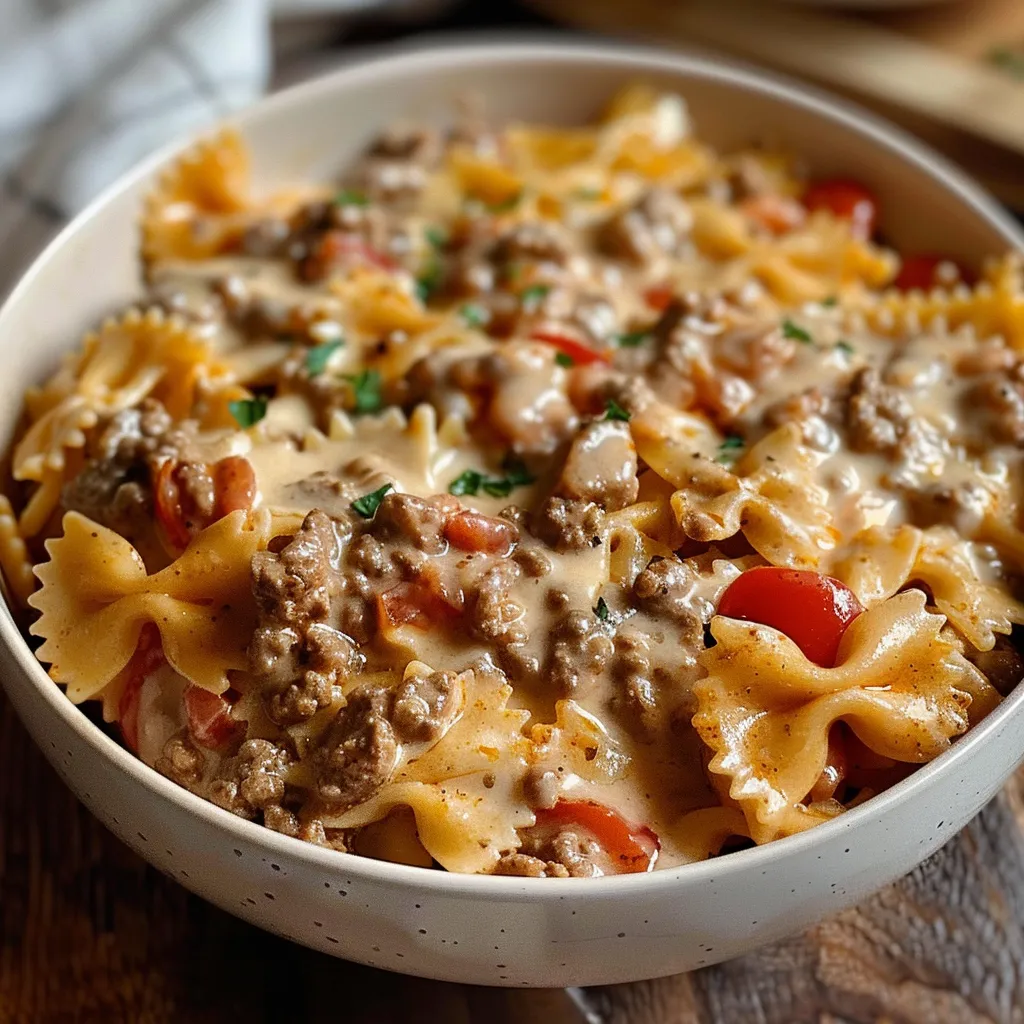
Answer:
(89, 932)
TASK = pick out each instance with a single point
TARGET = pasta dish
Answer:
(528, 500)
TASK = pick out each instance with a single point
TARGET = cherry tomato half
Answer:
(632, 848)
(473, 531)
(922, 272)
(148, 657)
(846, 199)
(812, 609)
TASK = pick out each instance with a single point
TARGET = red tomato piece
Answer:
(414, 604)
(209, 717)
(659, 297)
(234, 484)
(921, 272)
(169, 513)
(580, 354)
(336, 245)
(632, 848)
(846, 199)
(473, 531)
(148, 657)
(812, 609)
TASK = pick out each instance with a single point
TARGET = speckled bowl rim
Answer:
(734, 866)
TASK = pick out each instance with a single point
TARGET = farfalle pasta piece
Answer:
(465, 791)
(198, 205)
(765, 711)
(15, 563)
(977, 610)
(577, 743)
(994, 306)
(139, 355)
(96, 598)
(877, 562)
(770, 496)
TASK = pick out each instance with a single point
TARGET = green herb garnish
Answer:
(430, 279)
(366, 391)
(368, 504)
(472, 481)
(248, 411)
(436, 236)
(632, 339)
(474, 315)
(794, 333)
(564, 359)
(317, 358)
(728, 450)
(601, 611)
(351, 197)
(532, 297)
(614, 411)
(845, 347)
(832, 300)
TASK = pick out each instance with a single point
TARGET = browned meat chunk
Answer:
(182, 762)
(567, 524)
(297, 651)
(565, 854)
(601, 466)
(417, 520)
(878, 416)
(1003, 665)
(357, 756)
(396, 166)
(251, 780)
(492, 614)
(113, 487)
(667, 588)
(658, 225)
(998, 399)
(534, 242)
(582, 648)
(425, 706)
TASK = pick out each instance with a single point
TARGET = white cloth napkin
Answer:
(90, 87)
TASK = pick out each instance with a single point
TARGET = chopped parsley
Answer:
(728, 450)
(564, 359)
(466, 483)
(832, 300)
(248, 411)
(614, 411)
(366, 391)
(317, 358)
(632, 339)
(845, 347)
(368, 504)
(351, 197)
(436, 236)
(474, 315)
(601, 611)
(430, 279)
(472, 481)
(532, 297)
(794, 333)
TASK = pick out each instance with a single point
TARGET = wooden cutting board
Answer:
(951, 73)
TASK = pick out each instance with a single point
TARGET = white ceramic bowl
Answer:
(478, 929)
